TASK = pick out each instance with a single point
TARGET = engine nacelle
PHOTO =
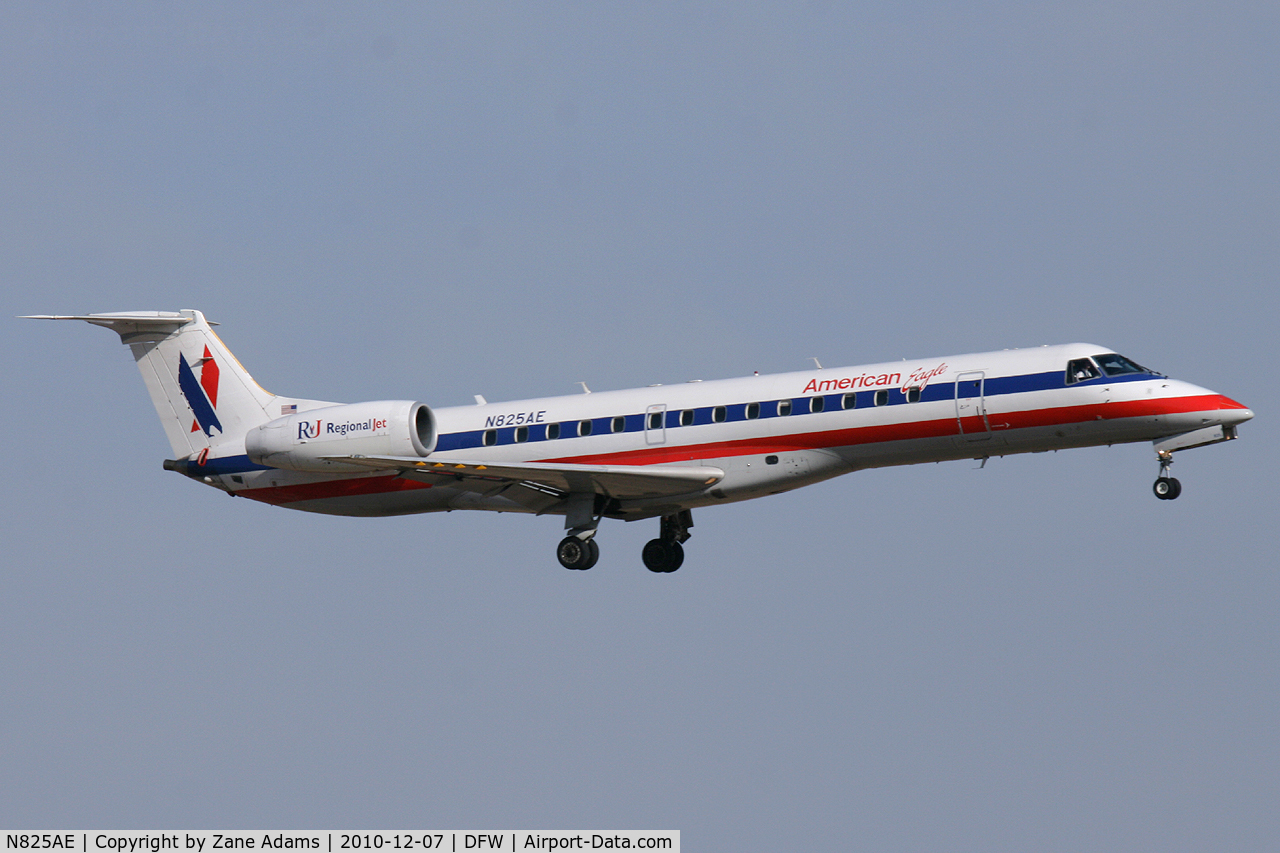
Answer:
(383, 428)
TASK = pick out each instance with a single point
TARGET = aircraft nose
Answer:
(1231, 413)
(1239, 416)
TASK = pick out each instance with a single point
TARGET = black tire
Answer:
(1175, 490)
(594, 548)
(677, 556)
(655, 555)
(661, 556)
(574, 553)
(1162, 488)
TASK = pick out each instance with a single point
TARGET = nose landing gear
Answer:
(1166, 488)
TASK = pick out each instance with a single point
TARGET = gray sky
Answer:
(431, 203)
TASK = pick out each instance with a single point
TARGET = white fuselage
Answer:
(770, 434)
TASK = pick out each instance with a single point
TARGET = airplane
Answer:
(656, 452)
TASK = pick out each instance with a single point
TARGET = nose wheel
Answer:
(1166, 488)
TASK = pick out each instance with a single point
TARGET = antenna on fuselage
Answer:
(814, 358)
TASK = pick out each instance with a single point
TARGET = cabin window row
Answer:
(682, 418)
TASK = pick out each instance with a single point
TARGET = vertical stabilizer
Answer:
(204, 397)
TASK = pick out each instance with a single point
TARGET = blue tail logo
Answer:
(201, 394)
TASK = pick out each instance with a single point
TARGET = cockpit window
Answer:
(1118, 365)
(1081, 370)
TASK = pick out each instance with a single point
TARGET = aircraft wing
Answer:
(624, 482)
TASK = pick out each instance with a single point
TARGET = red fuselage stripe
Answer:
(904, 431)
(333, 489)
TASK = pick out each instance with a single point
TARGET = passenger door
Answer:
(971, 406)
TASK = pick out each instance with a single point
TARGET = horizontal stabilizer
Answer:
(618, 481)
(121, 320)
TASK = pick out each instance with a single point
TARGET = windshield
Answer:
(1114, 364)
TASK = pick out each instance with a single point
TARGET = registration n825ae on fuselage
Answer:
(657, 452)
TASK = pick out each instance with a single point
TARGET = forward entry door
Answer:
(971, 406)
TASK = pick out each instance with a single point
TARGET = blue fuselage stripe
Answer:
(218, 465)
(993, 386)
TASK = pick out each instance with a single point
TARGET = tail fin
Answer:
(204, 397)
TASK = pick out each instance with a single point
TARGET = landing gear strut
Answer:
(1166, 488)
(666, 553)
(579, 550)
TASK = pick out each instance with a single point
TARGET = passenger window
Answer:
(553, 432)
(522, 434)
(1081, 370)
(753, 411)
(817, 404)
(849, 401)
(655, 420)
(913, 395)
(882, 398)
(619, 424)
(784, 408)
(584, 428)
(686, 417)
(718, 414)
(490, 437)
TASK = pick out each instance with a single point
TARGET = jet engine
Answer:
(301, 442)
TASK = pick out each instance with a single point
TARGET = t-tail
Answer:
(206, 400)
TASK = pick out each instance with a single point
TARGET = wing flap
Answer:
(617, 481)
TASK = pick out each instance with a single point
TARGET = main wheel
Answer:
(662, 556)
(655, 555)
(575, 553)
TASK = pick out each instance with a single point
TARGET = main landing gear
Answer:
(579, 551)
(575, 553)
(666, 553)
(1166, 488)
